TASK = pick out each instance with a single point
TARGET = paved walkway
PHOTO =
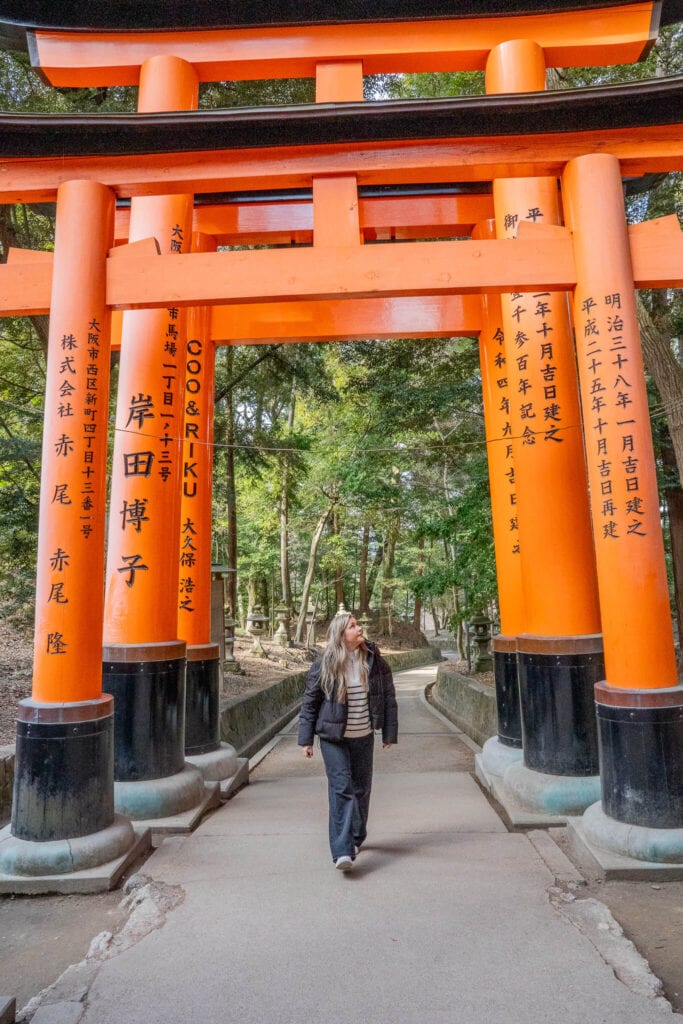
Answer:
(446, 917)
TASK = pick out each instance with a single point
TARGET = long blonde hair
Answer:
(334, 661)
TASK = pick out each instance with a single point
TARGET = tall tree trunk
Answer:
(257, 593)
(674, 501)
(449, 554)
(417, 610)
(284, 513)
(339, 568)
(386, 621)
(310, 569)
(667, 374)
(231, 493)
(8, 236)
(374, 568)
(363, 601)
(462, 639)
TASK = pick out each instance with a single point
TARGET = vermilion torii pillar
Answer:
(639, 704)
(144, 659)
(559, 652)
(505, 748)
(203, 748)
(63, 812)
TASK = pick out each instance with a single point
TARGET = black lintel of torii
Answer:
(132, 15)
(638, 104)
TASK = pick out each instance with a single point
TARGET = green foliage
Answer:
(665, 58)
(434, 85)
(256, 94)
(23, 90)
(21, 422)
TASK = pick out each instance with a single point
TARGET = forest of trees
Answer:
(353, 471)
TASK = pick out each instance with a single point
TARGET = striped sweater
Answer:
(358, 719)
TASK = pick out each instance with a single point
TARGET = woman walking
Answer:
(349, 693)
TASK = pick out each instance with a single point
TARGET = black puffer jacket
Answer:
(327, 718)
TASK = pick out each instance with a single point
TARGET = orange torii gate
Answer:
(574, 574)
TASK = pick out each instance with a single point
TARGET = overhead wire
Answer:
(397, 449)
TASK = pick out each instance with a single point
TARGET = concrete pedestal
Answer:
(631, 852)
(496, 757)
(185, 797)
(160, 798)
(224, 767)
(553, 795)
(64, 835)
(85, 864)
(535, 801)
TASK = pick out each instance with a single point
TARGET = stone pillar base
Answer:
(664, 845)
(91, 863)
(555, 795)
(651, 845)
(495, 758)
(224, 767)
(25, 857)
(160, 798)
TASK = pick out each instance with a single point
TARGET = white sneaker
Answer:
(343, 863)
(356, 850)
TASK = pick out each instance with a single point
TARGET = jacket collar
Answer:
(372, 651)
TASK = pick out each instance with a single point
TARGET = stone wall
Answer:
(443, 643)
(467, 703)
(246, 722)
(6, 782)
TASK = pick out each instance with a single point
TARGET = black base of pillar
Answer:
(63, 770)
(556, 680)
(641, 755)
(202, 722)
(147, 683)
(507, 691)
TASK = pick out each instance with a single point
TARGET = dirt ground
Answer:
(16, 659)
(651, 914)
(41, 936)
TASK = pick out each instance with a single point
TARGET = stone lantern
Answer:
(230, 663)
(481, 630)
(310, 626)
(282, 636)
(218, 574)
(256, 621)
